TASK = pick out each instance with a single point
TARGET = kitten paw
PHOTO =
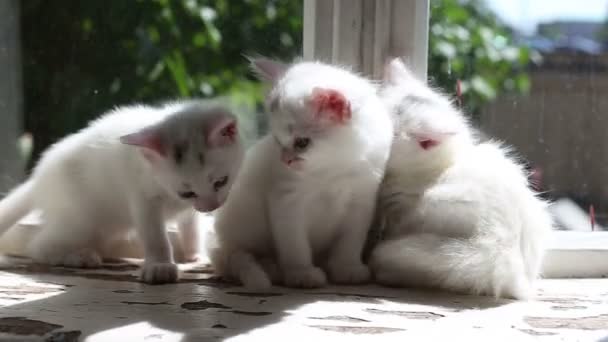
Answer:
(256, 281)
(193, 258)
(308, 278)
(349, 274)
(159, 273)
(272, 270)
(85, 258)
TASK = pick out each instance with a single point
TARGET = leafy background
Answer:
(85, 57)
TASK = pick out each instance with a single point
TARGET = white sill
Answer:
(575, 254)
(570, 254)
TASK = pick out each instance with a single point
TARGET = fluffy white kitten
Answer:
(136, 166)
(306, 194)
(458, 215)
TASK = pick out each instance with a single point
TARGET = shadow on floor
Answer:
(109, 302)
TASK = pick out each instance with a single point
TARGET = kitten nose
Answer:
(290, 158)
(206, 204)
(187, 195)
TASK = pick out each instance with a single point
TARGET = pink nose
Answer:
(289, 158)
(206, 204)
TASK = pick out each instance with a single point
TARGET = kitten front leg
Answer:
(189, 236)
(158, 267)
(294, 251)
(345, 265)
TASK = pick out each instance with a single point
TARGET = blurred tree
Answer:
(84, 57)
(468, 42)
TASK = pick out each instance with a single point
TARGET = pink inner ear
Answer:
(229, 130)
(147, 139)
(224, 132)
(332, 102)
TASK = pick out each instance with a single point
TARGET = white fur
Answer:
(313, 217)
(92, 189)
(459, 215)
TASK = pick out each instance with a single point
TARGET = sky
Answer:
(525, 14)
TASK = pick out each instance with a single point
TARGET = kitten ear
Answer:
(331, 104)
(395, 72)
(267, 69)
(223, 131)
(148, 138)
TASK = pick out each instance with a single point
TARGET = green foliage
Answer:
(468, 43)
(84, 57)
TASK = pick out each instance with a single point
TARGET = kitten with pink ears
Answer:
(301, 208)
(457, 214)
(135, 168)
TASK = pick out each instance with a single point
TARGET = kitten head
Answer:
(311, 110)
(426, 120)
(195, 152)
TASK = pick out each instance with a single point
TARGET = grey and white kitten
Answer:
(135, 167)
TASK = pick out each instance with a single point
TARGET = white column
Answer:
(11, 165)
(366, 33)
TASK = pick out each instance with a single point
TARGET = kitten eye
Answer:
(301, 143)
(188, 194)
(218, 184)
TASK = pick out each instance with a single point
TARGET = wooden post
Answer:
(11, 164)
(366, 33)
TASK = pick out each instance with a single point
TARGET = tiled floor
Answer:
(57, 304)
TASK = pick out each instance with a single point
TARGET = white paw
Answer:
(159, 273)
(257, 281)
(308, 278)
(272, 270)
(349, 274)
(85, 258)
(193, 258)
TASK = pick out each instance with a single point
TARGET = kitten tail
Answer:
(461, 265)
(15, 205)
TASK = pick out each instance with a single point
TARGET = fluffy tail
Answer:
(476, 265)
(15, 205)
(533, 242)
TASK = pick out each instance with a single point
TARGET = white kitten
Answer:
(93, 186)
(306, 193)
(457, 214)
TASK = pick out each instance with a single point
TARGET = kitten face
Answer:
(200, 174)
(299, 137)
(310, 123)
(198, 155)
(308, 133)
(424, 119)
